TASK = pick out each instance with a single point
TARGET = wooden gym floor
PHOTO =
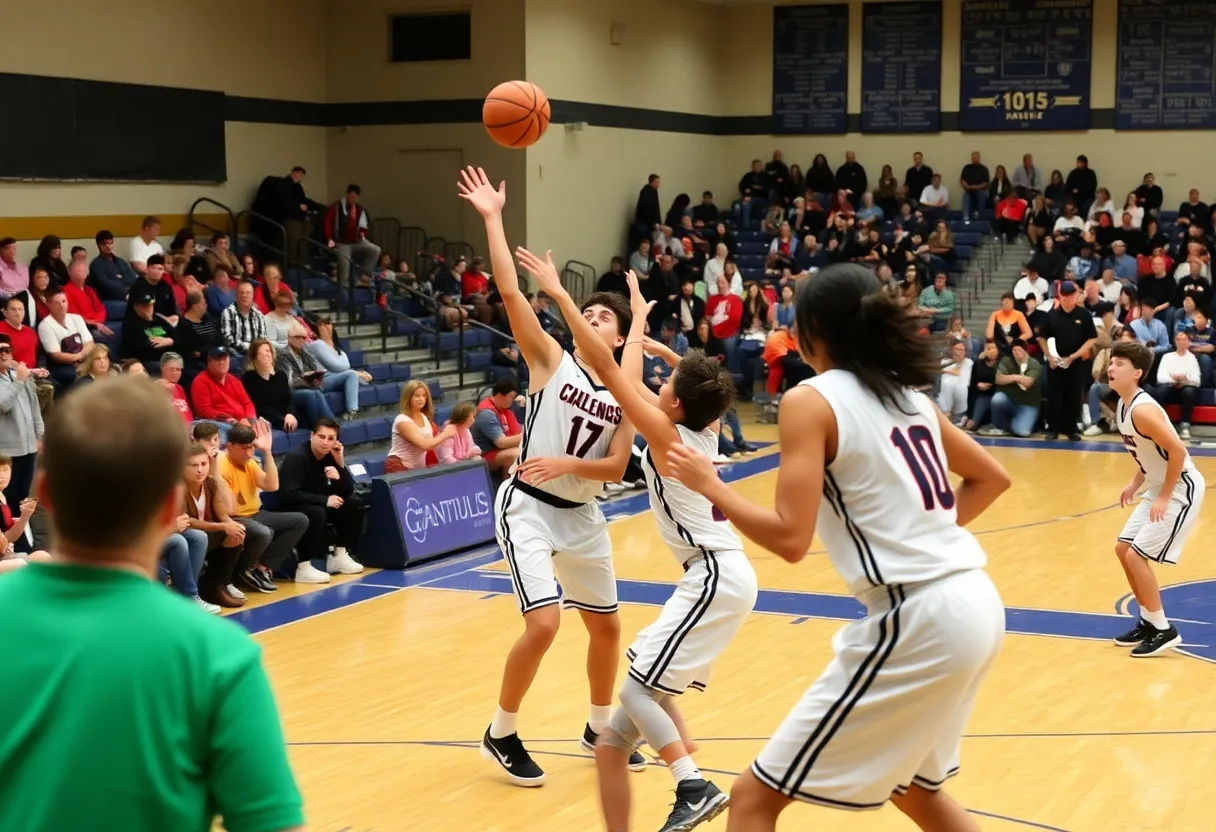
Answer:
(387, 681)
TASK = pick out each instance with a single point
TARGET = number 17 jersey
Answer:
(570, 416)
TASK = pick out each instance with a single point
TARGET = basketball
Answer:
(516, 114)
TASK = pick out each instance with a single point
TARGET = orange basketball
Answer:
(516, 114)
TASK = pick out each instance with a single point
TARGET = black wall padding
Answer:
(63, 128)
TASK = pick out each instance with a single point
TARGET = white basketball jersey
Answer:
(688, 522)
(570, 416)
(1151, 458)
(887, 515)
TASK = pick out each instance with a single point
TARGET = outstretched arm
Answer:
(651, 422)
(542, 353)
(805, 422)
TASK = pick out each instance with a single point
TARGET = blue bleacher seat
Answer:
(436, 390)
(379, 372)
(354, 433)
(443, 413)
(355, 356)
(336, 401)
(388, 394)
(116, 310)
(400, 372)
(367, 396)
(279, 443)
(476, 360)
(496, 373)
(297, 438)
(379, 430)
(375, 465)
(370, 313)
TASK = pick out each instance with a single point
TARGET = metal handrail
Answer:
(455, 250)
(191, 221)
(434, 245)
(272, 224)
(579, 274)
(352, 283)
(383, 240)
(410, 238)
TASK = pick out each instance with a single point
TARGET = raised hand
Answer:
(262, 439)
(543, 271)
(637, 304)
(475, 187)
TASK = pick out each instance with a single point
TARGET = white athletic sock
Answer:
(598, 716)
(503, 724)
(685, 769)
(1157, 619)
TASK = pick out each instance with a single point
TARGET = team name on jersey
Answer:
(593, 407)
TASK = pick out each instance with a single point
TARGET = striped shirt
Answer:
(238, 330)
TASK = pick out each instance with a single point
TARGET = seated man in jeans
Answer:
(270, 536)
(315, 482)
(1177, 381)
(1019, 395)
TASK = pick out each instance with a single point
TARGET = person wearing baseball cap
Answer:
(1067, 341)
(146, 335)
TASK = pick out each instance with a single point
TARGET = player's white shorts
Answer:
(1163, 541)
(891, 707)
(709, 605)
(544, 544)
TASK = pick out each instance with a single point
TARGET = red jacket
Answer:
(221, 402)
(83, 301)
(474, 283)
(733, 306)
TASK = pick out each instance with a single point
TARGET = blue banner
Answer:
(1025, 65)
(811, 69)
(901, 67)
(1166, 79)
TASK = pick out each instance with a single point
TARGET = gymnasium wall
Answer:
(1180, 159)
(406, 151)
(267, 55)
(583, 184)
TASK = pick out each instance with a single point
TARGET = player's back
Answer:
(688, 522)
(1152, 459)
(888, 513)
(570, 416)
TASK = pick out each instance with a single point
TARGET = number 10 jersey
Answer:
(570, 416)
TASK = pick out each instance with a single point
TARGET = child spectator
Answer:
(460, 446)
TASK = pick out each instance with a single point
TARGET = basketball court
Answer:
(386, 682)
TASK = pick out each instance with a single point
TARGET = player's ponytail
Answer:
(865, 332)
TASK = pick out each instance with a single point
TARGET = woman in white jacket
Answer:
(956, 380)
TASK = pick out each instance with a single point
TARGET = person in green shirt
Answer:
(1019, 396)
(124, 707)
(937, 304)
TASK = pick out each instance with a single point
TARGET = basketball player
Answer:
(123, 706)
(550, 528)
(864, 461)
(1160, 524)
(718, 588)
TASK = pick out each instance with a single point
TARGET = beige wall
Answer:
(138, 41)
(1120, 159)
(583, 186)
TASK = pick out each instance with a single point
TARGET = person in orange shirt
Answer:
(1003, 323)
(83, 299)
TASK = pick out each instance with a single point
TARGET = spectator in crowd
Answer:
(97, 365)
(220, 254)
(1007, 324)
(1149, 196)
(220, 293)
(868, 212)
(1161, 286)
(1027, 178)
(96, 616)
(983, 387)
(974, 182)
(170, 379)
(999, 187)
(934, 199)
(460, 446)
(24, 342)
(1069, 224)
(648, 215)
(1192, 212)
(146, 245)
(640, 261)
(886, 194)
(1108, 287)
(778, 174)
(1011, 215)
(753, 190)
(1149, 329)
(152, 282)
(1056, 191)
(851, 178)
(1102, 204)
(820, 180)
(64, 337)
(14, 276)
(918, 177)
(206, 508)
(656, 368)
(282, 199)
(475, 288)
(1051, 261)
(1084, 265)
(109, 274)
(346, 229)
(197, 335)
(956, 382)
(1177, 381)
(1184, 316)
(1130, 231)
(1099, 391)
(414, 433)
(181, 561)
(280, 321)
(781, 253)
(50, 257)
(725, 313)
(937, 303)
(783, 316)
(496, 430)
(146, 335)
(612, 280)
(1040, 221)
(219, 396)
(270, 536)
(680, 208)
(1015, 405)
(268, 286)
(705, 214)
(1068, 339)
(1081, 186)
(1202, 345)
(34, 298)
(689, 308)
(268, 389)
(329, 355)
(84, 301)
(21, 424)
(13, 538)
(242, 323)
(715, 267)
(307, 379)
(315, 482)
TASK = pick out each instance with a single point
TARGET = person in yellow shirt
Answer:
(270, 536)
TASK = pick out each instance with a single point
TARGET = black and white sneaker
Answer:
(1157, 642)
(1136, 634)
(697, 801)
(637, 762)
(510, 753)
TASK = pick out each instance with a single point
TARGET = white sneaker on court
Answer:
(306, 573)
(206, 606)
(235, 593)
(341, 563)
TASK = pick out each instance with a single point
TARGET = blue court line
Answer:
(473, 745)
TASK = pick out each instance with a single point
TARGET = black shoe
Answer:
(1157, 642)
(510, 753)
(1074, 437)
(253, 580)
(1136, 634)
(696, 802)
(636, 761)
(265, 580)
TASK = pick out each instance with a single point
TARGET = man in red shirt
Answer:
(84, 301)
(219, 396)
(24, 340)
(496, 430)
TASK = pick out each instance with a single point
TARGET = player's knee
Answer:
(750, 797)
(918, 803)
(541, 625)
(603, 628)
(1121, 549)
(610, 746)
